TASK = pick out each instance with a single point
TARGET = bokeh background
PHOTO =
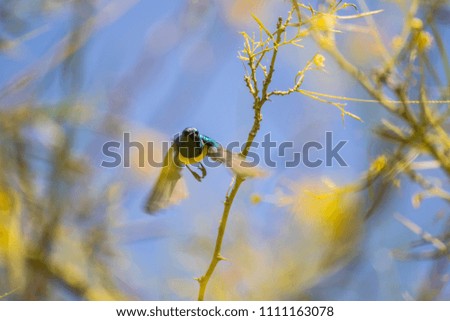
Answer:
(77, 74)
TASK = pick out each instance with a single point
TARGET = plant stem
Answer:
(203, 281)
(238, 180)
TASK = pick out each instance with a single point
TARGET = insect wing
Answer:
(235, 162)
(169, 188)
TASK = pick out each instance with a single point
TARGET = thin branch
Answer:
(231, 194)
(413, 227)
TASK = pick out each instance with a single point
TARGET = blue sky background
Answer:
(166, 65)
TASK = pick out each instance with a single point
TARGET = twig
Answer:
(413, 227)
(238, 180)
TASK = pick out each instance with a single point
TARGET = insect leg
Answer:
(203, 169)
(196, 176)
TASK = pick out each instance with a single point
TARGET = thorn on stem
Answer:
(221, 258)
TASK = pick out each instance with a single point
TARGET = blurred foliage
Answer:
(55, 230)
(404, 81)
(63, 220)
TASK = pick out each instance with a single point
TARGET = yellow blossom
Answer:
(323, 22)
(4, 237)
(255, 198)
(333, 212)
(319, 61)
(397, 42)
(416, 23)
(423, 40)
(378, 164)
(5, 200)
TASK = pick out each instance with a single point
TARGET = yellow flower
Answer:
(9, 224)
(4, 238)
(323, 22)
(416, 23)
(332, 214)
(319, 61)
(378, 164)
(397, 42)
(255, 198)
(6, 201)
(423, 40)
